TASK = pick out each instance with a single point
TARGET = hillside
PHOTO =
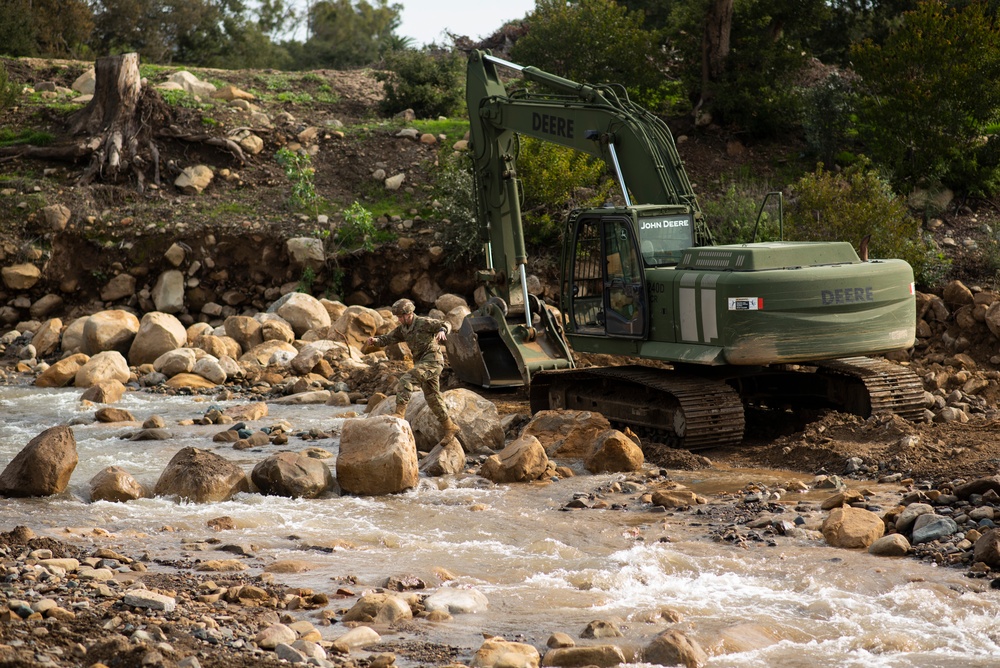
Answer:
(105, 244)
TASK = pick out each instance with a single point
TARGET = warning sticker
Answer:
(746, 303)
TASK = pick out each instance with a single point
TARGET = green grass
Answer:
(180, 98)
(151, 72)
(9, 137)
(453, 128)
(228, 209)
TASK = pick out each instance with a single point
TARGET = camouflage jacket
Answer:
(420, 337)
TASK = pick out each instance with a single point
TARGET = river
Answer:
(544, 569)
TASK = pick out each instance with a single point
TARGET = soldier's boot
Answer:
(450, 430)
(400, 411)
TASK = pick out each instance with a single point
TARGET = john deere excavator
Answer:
(771, 324)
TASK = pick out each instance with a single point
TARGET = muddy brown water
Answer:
(543, 568)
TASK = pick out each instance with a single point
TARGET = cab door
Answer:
(625, 301)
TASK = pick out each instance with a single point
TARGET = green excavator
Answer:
(770, 324)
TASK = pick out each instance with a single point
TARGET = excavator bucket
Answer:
(493, 348)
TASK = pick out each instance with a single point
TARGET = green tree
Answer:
(208, 33)
(596, 41)
(17, 30)
(751, 84)
(930, 96)
(56, 28)
(346, 33)
(431, 82)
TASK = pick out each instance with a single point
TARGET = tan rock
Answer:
(523, 460)
(201, 476)
(62, 372)
(43, 467)
(500, 653)
(107, 365)
(852, 528)
(21, 276)
(104, 392)
(565, 433)
(674, 647)
(46, 338)
(113, 329)
(190, 380)
(116, 485)
(377, 456)
(193, 180)
(158, 333)
(616, 453)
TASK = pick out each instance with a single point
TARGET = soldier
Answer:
(424, 336)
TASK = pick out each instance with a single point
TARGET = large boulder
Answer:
(201, 476)
(109, 330)
(292, 474)
(72, 336)
(382, 609)
(209, 368)
(109, 365)
(500, 653)
(986, 549)
(446, 458)
(303, 312)
(262, 354)
(274, 328)
(21, 276)
(43, 467)
(356, 324)
(602, 656)
(567, 434)
(615, 453)
(62, 372)
(218, 346)
(523, 460)
(851, 528)
(173, 362)
(310, 355)
(244, 330)
(377, 456)
(158, 333)
(46, 338)
(168, 292)
(306, 252)
(115, 484)
(104, 392)
(476, 417)
(675, 648)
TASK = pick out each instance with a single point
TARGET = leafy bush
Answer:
(298, 169)
(431, 82)
(554, 180)
(454, 190)
(732, 216)
(358, 229)
(858, 202)
(10, 91)
(930, 93)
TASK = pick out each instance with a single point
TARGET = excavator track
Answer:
(890, 387)
(696, 412)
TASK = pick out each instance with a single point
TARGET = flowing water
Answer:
(543, 569)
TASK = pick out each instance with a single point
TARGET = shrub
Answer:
(556, 179)
(298, 169)
(358, 229)
(431, 82)
(858, 202)
(10, 91)
(732, 216)
(463, 242)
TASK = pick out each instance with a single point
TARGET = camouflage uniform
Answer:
(428, 362)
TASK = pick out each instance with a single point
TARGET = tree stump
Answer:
(112, 117)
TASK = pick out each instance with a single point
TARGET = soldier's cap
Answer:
(402, 307)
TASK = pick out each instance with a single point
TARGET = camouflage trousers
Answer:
(426, 376)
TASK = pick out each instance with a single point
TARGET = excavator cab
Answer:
(607, 287)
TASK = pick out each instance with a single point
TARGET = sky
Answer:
(426, 20)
